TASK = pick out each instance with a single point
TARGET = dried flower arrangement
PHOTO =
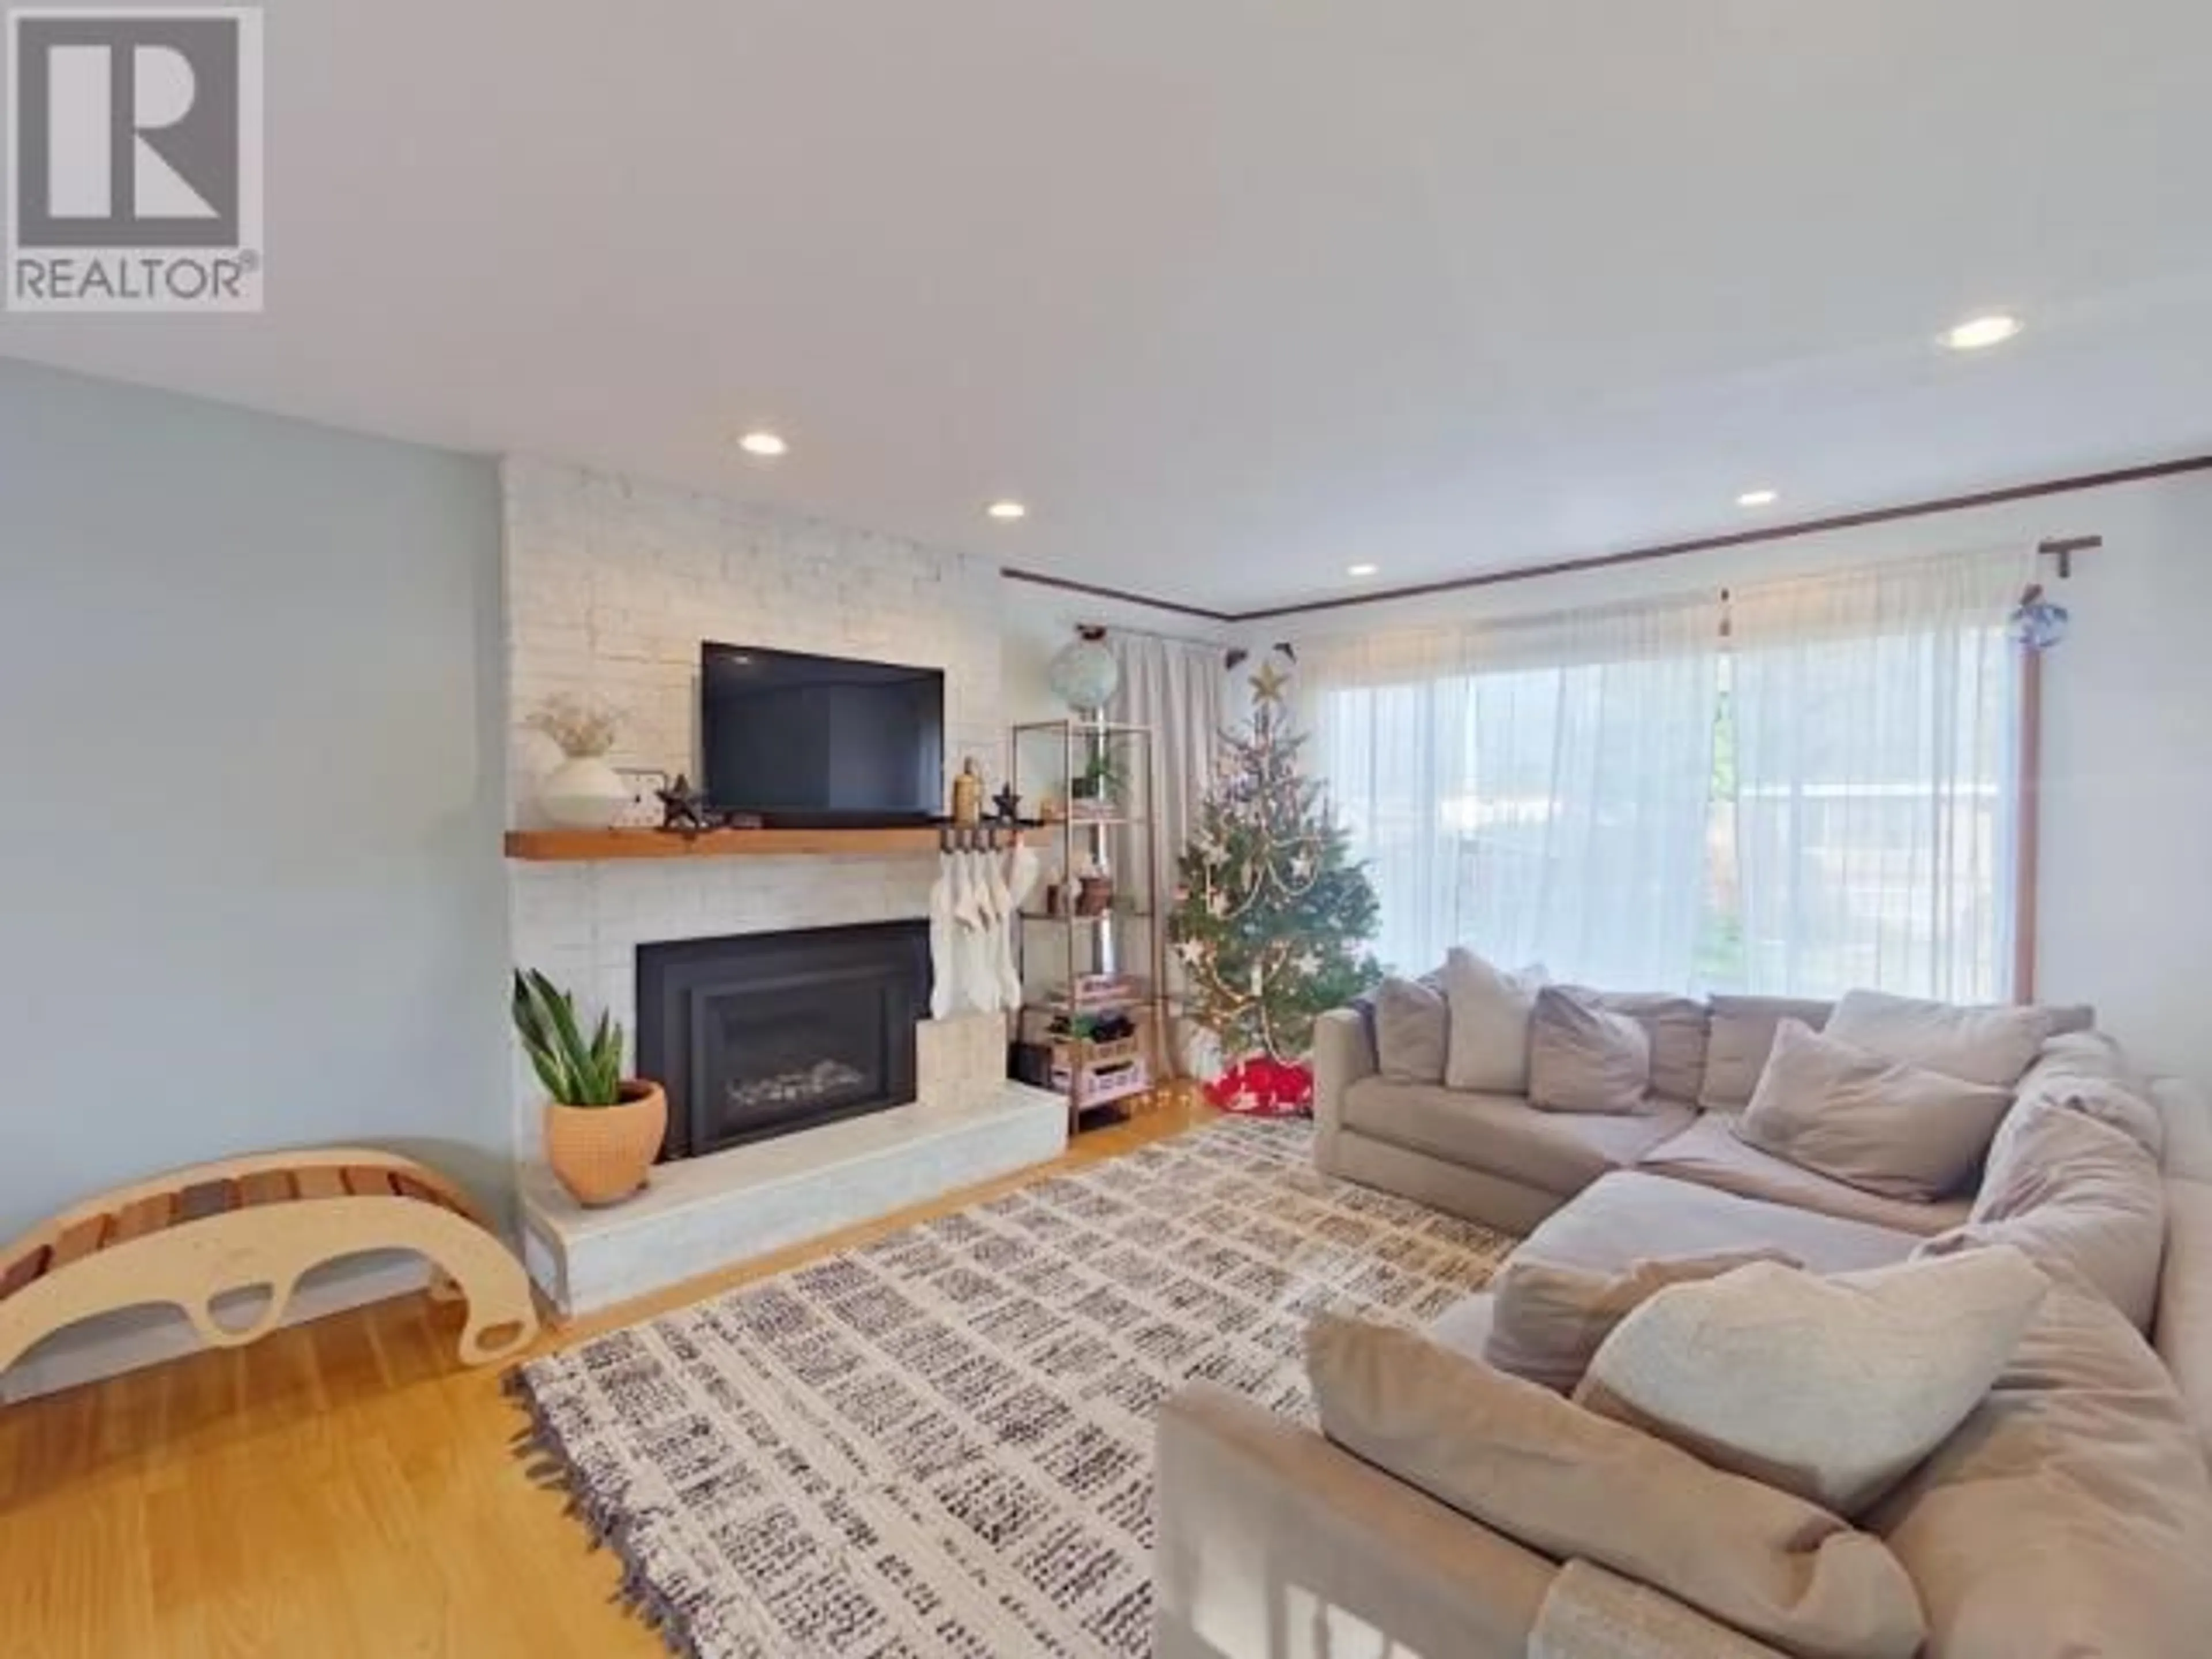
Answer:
(583, 729)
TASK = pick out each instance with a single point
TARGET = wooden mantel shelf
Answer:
(591, 846)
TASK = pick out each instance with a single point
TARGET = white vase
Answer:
(583, 793)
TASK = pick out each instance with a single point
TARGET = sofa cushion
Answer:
(1591, 1614)
(1464, 1328)
(1558, 1151)
(1584, 1058)
(2186, 1113)
(2079, 1198)
(1742, 1031)
(1887, 1127)
(1488, 1051)
(1630, 1215)
(2184, 1327)
(2071, 1515)
(1831, 1388)
(1412, 1030)
(1991, 1045)
(1708, 1152)
(1676, 1026)
(1571, 1484)
(1547, 1320)
(2087, 1069)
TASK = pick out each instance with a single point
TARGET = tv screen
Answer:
(811, 741)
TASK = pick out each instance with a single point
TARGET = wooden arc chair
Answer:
(246, 1224)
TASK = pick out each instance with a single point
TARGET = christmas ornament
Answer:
(1268, 685)
(2040, 621)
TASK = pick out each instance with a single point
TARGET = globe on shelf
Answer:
(1084, 672)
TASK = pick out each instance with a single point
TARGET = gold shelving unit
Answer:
(1096, 783)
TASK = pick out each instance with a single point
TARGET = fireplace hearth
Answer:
(763, 1034)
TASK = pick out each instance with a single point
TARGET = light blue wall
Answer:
(251, 772)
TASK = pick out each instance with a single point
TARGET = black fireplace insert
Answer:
(766, 1034)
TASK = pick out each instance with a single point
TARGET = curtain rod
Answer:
(2064, 547)
(1112, 628)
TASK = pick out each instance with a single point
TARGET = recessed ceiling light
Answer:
(1759, 498)
(1977, 332)
(1007, 512)
(1359, 570)
(766, 445)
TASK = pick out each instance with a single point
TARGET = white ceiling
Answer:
(1234, 292)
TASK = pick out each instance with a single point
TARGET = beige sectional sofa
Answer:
(2047, 1527)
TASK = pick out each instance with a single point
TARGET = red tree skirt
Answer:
(1261, 1087)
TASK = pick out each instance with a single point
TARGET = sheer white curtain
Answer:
(1540, 788)
(1875, 717)
(1179, 689)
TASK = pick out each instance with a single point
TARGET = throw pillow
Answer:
(1991, 1046)
(1569, 1483)
(2079, 1197)
(1677, 1026)
(1887, 1127)
(1582, 1058)
(1547, 1320)
(1832, 1388)
(1739, 1039)
(1488, 1049)
(1413, 1028)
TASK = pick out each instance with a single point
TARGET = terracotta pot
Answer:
(601, 1153)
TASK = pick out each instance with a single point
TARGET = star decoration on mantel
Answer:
(1268, 685)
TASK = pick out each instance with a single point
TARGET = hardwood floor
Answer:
(342, 1490)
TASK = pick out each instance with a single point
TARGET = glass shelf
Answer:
(1064, 919)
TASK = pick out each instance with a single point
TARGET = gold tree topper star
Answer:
(1268, 685)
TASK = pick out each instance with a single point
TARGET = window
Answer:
(1826, 798)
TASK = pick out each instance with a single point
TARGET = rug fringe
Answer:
(547, 1463)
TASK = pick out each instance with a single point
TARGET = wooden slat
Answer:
(207, 1198)
(320, 1183)
(367, 1182)
(420, 1191)
(23, 1269)
(79, 1241)
(267, 1186)
(148, 1215)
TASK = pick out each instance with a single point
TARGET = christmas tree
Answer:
(1271, 912)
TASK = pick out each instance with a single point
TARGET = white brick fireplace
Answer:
(612, 584)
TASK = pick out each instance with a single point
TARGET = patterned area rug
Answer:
(941, 1443)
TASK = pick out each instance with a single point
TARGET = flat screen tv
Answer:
(816, 742)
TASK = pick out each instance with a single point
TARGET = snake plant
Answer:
(575, 1071)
